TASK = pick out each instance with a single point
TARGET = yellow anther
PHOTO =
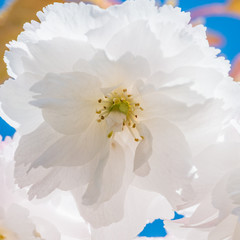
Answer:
(37, 234)
(2, 237)
(141, 108)
(124, 90)
(110, 134)
(142, 137)
(137, 104)
(134, 125)
(129, 95)
(102, 117)
(98, 112)
(135, 116)
(99, 120)
(100, 100)
(136, 139)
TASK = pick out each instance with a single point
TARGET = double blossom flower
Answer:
(110, 100)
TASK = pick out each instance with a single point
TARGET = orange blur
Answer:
(234, 6)
(11, 23)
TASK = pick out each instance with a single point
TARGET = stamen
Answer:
(110, 134)
(36, 234)
(2, 237)
(119, 101)
(133, 134)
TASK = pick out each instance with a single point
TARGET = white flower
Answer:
(15, 223)
(7, 148)
(53, 218)
(110, 98)
(215, 211)
(12, 229)
(140, 207)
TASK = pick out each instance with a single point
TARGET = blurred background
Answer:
(222, 18)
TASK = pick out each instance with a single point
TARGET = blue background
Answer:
(2, 2)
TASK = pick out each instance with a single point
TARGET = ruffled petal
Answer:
(204, 79)
(159, 104)
(114, 73)
(36, 146)
(138, 30)
(17, 107)
(170, 162)
(68, 101)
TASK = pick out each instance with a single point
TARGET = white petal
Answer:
(158, 104)
(138, 211)
(68, 20)
(76, 150)
(120, 44)
(224, 230)
(68, 101)
(114, 121)
(17, 104)
(169, 163)
(108, 177)
(221, 157)
(143, 151)
(17, 222)
(236, 234)
(55, 56)
(35, 146)
(107, 213)
(13, 59)
(128, 68)
(31, 146)
(128, 12)
(203, 126)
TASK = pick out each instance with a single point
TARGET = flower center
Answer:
(2, 237)
(37, 234)
(120, 106)
(120, 101)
